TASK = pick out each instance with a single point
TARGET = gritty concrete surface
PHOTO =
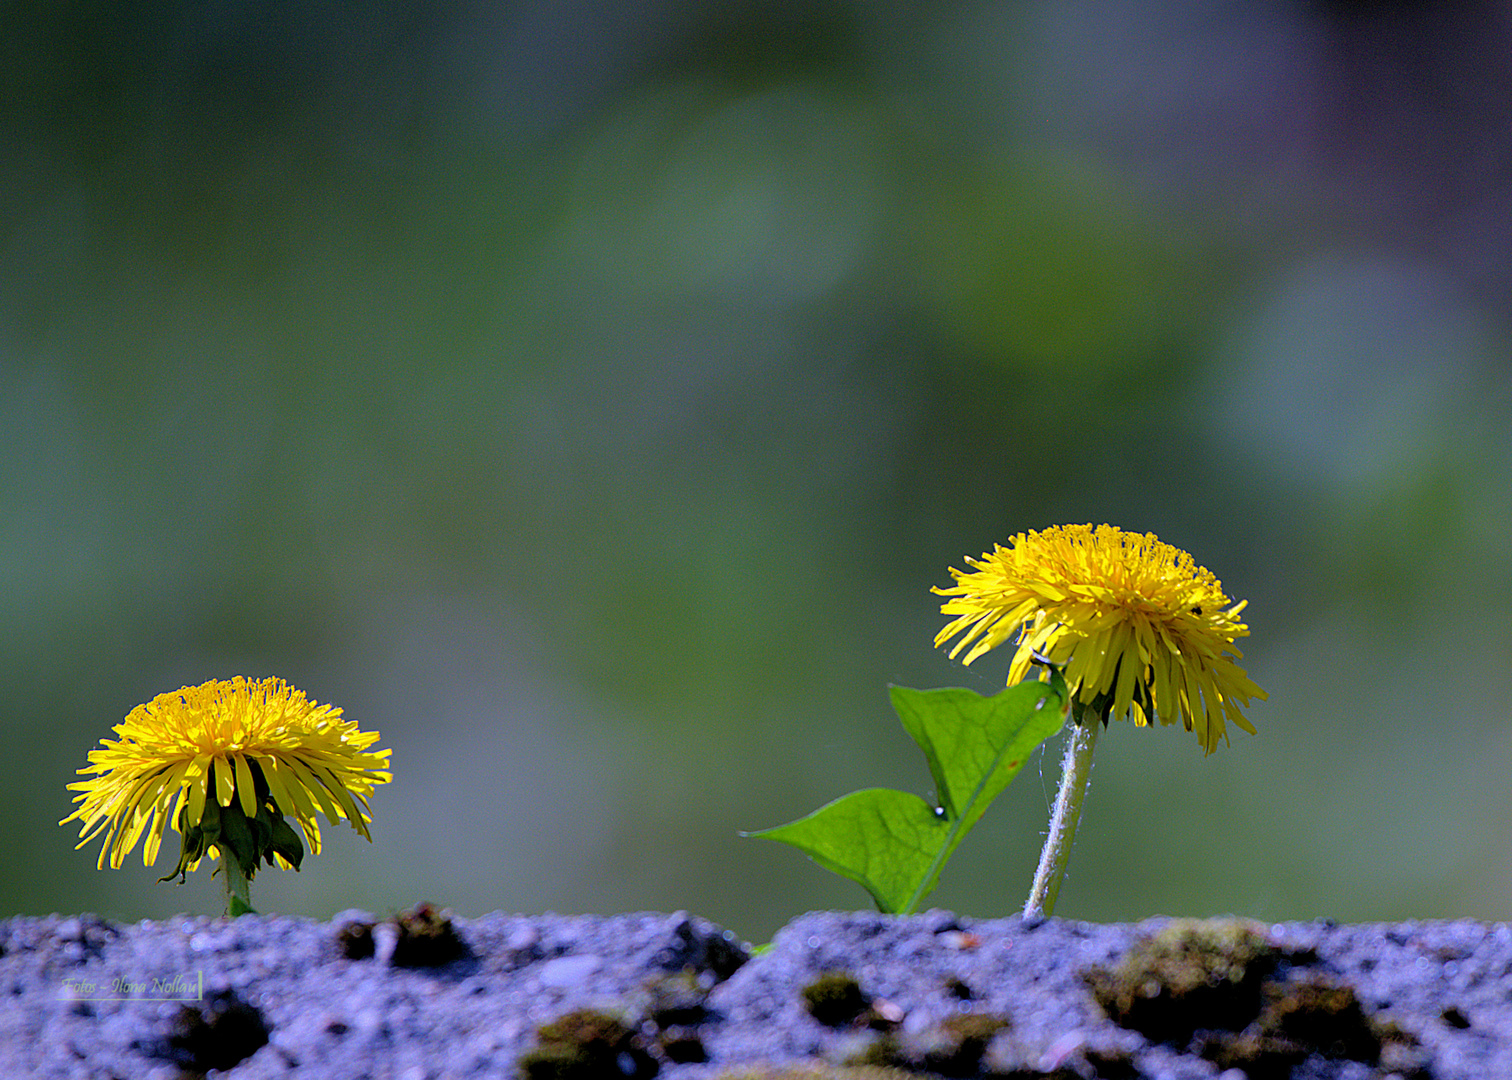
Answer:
(426, 995)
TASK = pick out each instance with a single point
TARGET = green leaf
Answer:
(976, 745)
(885, 840)
(895, 844)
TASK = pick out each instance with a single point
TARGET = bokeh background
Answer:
(586, 395)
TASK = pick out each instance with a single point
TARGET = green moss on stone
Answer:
(835, 999)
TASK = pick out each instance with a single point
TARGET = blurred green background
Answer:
(585, 396)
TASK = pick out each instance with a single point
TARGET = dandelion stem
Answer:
(1076, 773)
(238, 891)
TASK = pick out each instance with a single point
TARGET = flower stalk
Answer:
(238, 889)
(1076, 777)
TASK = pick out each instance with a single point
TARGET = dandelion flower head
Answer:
(253, 742)
(1138, 627)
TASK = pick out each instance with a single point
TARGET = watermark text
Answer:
(188, 986)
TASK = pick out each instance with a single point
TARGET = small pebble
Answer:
(385, 942)
(568, 970)
(522, 938)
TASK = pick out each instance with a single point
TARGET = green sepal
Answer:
(895, 844)
(248, 841)
(283, 840)
(237, 840)
(195, 841)
(262, 829)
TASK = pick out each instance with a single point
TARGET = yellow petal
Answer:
(225, 783)
(246, 790)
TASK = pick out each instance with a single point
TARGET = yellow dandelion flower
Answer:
(260, 748)
(1138, 627)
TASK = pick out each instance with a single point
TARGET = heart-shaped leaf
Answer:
(895, 844)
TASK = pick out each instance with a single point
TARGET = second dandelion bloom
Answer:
(1135, 627)
(1138, 627)
(222, 763)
